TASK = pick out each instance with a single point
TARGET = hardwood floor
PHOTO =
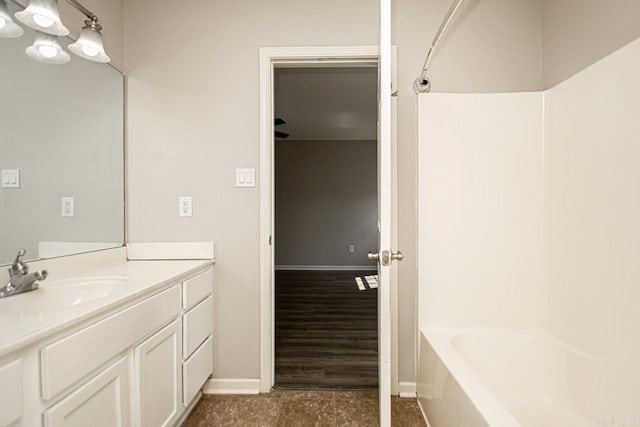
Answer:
(325, 332)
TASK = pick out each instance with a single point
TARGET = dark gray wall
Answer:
(326, 198)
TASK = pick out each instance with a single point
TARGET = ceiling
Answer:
(327, 103)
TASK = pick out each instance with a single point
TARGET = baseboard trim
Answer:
(424, 414)
(407, 389)
(232, 386)
(187, 412)
(327, 267)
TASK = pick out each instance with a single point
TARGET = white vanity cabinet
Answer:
(141, 364)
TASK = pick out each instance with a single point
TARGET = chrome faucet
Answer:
(20, 280)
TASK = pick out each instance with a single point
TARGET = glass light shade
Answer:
(8, 28)
(47, 49)
(43, 15)
(89, 45)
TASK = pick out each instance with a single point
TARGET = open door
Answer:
(385, 256)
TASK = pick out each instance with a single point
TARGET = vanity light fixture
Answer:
(89, 45)
(8, 28)
(47, 49)
(43, 15)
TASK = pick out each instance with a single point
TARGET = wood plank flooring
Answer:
(326, 331)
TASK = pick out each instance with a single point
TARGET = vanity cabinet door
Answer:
(158, 378)
(101, 402)
(10, 393)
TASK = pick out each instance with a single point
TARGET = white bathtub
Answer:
(512, 378)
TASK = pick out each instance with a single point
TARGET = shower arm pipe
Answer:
(86, 12)
(423, 80)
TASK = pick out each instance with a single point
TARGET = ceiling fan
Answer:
(278, 122)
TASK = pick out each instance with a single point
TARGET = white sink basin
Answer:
(62, 294)
(116, 281)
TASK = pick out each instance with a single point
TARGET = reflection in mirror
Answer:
(61, 153)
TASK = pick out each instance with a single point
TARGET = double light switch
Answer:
(10, 178)
(245, 177)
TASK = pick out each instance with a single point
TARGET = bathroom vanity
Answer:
(117, 343)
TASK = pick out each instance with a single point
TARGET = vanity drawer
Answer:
(197, 288)
(196, 370)
(10, 392)
(68, 360)
(197, 326)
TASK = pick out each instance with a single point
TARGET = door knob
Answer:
(373, 256)
(397, 256)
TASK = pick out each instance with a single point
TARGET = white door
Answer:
(385, 255)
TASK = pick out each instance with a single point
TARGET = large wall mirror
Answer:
(62, 128)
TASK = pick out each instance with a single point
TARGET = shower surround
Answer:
(529, 237)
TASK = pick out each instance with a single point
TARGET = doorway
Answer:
(382, 56)
(325, 163)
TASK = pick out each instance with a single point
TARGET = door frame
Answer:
(270, 58)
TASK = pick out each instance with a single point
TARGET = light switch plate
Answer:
(10, 178)
(352, 248)
(185, 206)
(67, 206)
(245, 177)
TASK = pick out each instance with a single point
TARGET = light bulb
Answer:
(89, 44)
(3, 22)
(90, 50)
(42, 21)
(48, 51)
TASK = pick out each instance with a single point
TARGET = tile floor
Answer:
(303, 408)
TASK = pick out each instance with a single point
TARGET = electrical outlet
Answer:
(185, 206)
(352, 248)
(67, 207)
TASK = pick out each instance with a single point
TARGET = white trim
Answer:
(269, 57)
(407, 389)
(327, 267)
(232, 386)
(170, 250)
(424, 414)
(189, 409)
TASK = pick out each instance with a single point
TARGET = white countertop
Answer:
(31, 316)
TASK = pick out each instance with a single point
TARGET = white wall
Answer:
(326, 199)
(193, 118)
(578, 33)
(481, 229)
(593, 199)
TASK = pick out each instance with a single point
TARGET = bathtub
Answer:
(514, 378)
